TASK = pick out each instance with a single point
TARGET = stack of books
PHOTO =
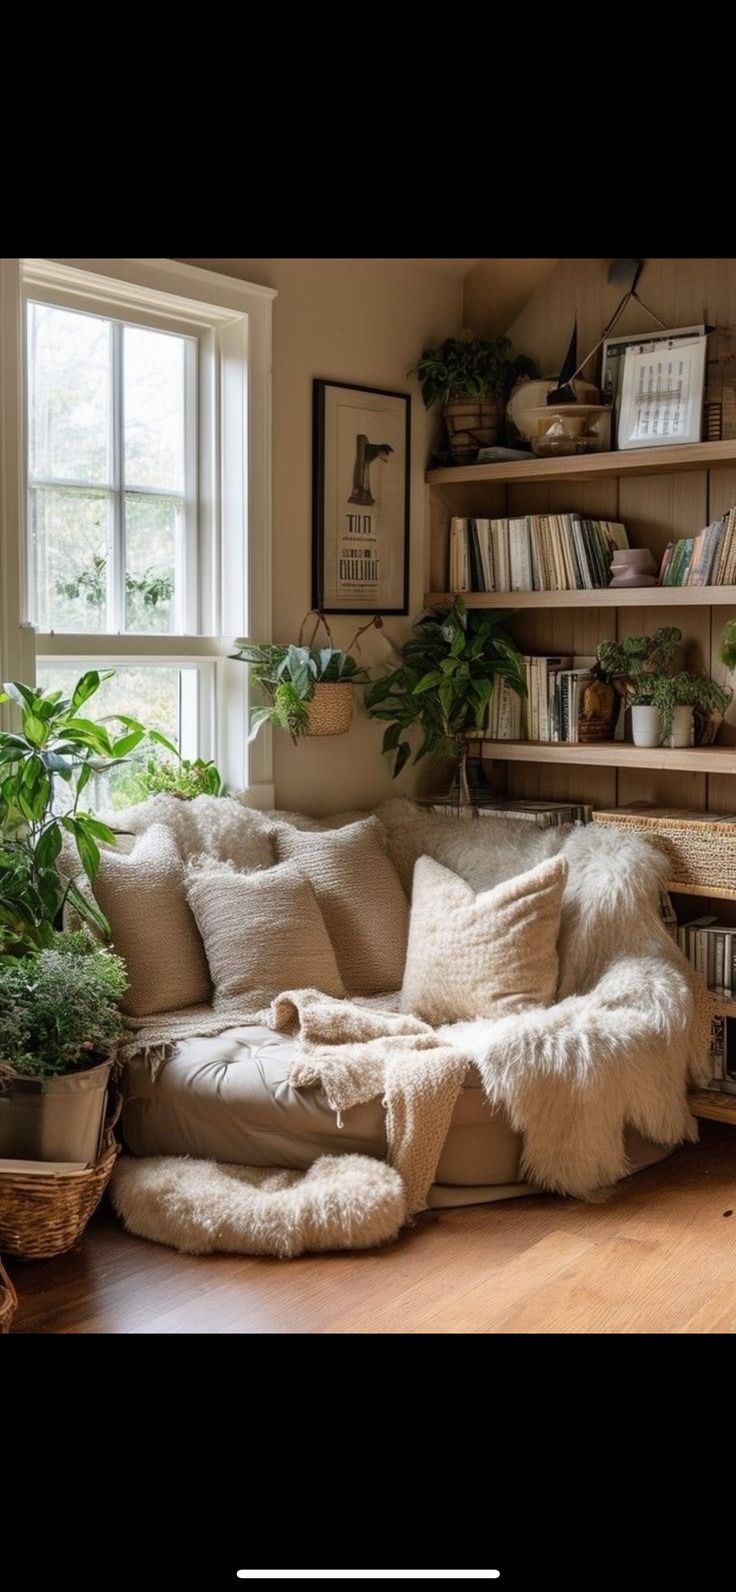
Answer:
(708, 559)
(538, 552)
(710, 947)
(545, 815)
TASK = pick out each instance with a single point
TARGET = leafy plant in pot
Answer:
(57, 749)
(471, 378)
(309, 690)
(444, 684)
(663, 706)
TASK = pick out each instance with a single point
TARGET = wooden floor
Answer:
(657, 1255)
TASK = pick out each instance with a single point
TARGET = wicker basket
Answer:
(472, 423)
(8, 1300)
(330, 709)
(44, 1214)
(700, 847)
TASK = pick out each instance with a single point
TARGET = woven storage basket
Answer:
(8, 1300)
(700, 847)
(330, 710)
(44, 1214)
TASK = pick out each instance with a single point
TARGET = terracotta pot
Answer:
(472, 423)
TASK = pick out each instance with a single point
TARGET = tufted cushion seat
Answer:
(228, 1098)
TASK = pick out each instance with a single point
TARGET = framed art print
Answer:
(360, 502)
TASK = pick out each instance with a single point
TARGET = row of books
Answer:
(710, 947)
(708, 559)
(723, 1055)
(537, 552)
(551, 709)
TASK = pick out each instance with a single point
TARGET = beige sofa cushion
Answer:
(487, 955)
(360, 894)
(262, 932)
(142, 897)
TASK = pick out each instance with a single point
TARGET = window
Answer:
(141, 395)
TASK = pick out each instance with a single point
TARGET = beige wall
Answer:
(350, 320)
(496, 290)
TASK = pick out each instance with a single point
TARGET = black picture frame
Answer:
(325, 580)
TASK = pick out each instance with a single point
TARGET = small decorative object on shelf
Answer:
(309, 689)
(574, 428)
(633, 566)
(471, 378)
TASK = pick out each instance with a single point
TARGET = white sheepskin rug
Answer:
(199, 1207)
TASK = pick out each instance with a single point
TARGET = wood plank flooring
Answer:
(658, 1254)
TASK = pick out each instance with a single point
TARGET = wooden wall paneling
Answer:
(660, 508)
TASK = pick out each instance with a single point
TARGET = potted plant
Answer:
(178, 776)
(309, 690)
(444, 683)
(663, 706)
(471, 378)
(57, 993)
(59, 1020)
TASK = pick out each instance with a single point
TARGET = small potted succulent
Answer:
(308, 689)
(471, 378)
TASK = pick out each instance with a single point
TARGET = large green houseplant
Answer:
(471, 378)
(444, 683)
(58, 993)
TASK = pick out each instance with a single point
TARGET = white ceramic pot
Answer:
(645, 728)
(681, 721)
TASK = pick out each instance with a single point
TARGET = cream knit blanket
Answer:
(356, 1051)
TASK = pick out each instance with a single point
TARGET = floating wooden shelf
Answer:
(592, 466)
(675, 887)
(617, 754)
(601, 597)
(716, 1107)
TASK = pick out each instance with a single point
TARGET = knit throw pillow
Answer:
(487, 955)
(151, 926)
(263, 933)
(362, 902)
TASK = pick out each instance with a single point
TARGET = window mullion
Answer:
(116, 562)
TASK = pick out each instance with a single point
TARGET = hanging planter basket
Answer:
(330, 708)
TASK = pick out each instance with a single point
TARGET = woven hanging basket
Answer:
(330, 708)
(44, 1214)
(8, 1300)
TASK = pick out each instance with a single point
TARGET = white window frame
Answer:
(233, 322)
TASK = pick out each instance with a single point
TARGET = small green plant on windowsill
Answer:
(178, 776)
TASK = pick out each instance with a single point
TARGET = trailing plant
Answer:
(183, 776)
(56, 746)
(287, 677)
(728, 645)
(624, 662)
(59, 1006)
(469, 367)
(666, 692)
(91, 585)
(444, 681)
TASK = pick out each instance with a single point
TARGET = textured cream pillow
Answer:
(486, 955)
(362, 902)
(152, 928)
(263, 933)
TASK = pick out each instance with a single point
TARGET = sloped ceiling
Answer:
(496, 291)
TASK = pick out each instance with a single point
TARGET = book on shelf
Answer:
(710, 948)
(533, 552)
(723, 1055)
(708, 559)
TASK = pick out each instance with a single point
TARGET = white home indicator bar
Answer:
(368, 1575)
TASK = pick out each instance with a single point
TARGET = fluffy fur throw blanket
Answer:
(630, 1026)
